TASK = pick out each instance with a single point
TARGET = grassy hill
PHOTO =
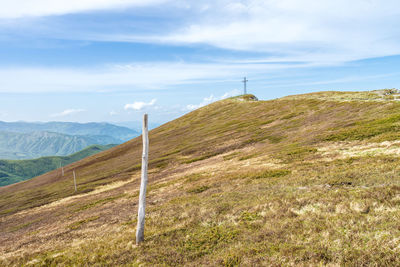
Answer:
(14, 171)
(302, 180)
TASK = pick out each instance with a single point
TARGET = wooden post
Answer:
(143, 183)
(62, 169)
(74, 179)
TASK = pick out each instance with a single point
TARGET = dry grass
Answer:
(227, 187)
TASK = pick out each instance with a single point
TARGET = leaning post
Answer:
(74, 179)
(143, 183)
(62, 169)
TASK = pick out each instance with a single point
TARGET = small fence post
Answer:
(143, 183)
(74, 179)
(62, 169)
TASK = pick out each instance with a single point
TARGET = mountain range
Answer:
(120, 133)
(23, 140)
(137, 125)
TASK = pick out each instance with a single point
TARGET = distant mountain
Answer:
(38, 144)
(136, 125)
(28, 140)
(13, 171)
(122, 134)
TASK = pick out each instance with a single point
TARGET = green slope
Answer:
(13, 171)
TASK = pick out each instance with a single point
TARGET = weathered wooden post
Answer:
(62, 168)
(74, 179)
(143, 183)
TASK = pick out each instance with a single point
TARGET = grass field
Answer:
(302, 180)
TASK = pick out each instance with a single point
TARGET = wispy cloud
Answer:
(299, 30)
(157, 75)
(3, 114)
(212, 98)
(286, 34)
(285, 30)
(37, 8)
(67, 112)
(138, 105)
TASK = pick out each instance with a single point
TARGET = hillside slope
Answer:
(301, 180)
(14, 171)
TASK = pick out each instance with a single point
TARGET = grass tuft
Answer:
(199, 189)
(78, 224)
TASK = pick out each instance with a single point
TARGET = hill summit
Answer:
(302, 180)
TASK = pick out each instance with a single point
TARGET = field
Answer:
(302, 180)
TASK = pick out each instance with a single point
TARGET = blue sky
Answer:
(112, 60)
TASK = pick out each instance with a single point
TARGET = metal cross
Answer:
(245, 85)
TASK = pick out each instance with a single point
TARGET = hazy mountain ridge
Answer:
(137, 125)
(72, 128)
(23, 140)
(13, 171)
(38, 144)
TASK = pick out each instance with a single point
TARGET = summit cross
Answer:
(245, 85)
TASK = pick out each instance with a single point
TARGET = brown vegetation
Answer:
(234, 183)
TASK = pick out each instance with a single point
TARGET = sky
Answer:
(113, 60)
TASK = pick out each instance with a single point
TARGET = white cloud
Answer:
(36, 8)
(287, 30)
(67, 112)
(139, 105)
(294, 33)
(158, 75)
(113, 113)
(338, 30)
(212, 98)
